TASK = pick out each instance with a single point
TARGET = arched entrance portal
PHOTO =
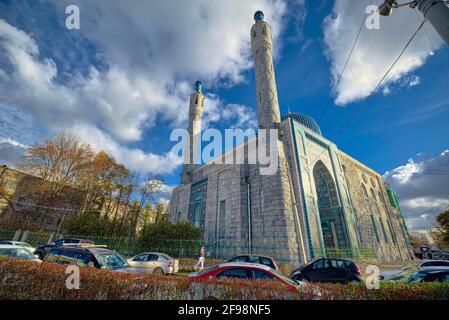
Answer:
(331, 213)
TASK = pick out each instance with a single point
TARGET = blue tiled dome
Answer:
(305, 120)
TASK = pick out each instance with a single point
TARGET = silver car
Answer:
(155, 263)
(407, 270)
(17, 252)
(20, 244)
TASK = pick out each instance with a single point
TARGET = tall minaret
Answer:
(195, 114)
(267, 98)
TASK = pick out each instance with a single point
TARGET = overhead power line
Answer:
(356, 112)
(344, 68)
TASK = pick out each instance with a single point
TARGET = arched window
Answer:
(333, 225)
(375, 205)
(390, 225)
(366, 201)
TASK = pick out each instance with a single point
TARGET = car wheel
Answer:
(40, 255)
(158, 271)
(303, 279)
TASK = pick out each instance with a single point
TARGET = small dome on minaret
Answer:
(198, 86)
(259, 16)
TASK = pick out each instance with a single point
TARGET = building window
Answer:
(374, 204)
(222, 219)
(374, 228)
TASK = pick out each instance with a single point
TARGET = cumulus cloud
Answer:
(151, 53)
(422, 186)
(136, 159)
(376, 49)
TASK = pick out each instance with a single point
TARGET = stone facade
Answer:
(320, 201)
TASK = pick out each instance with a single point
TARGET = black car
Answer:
(328, 270)
(91, 256)
(255, 259)
(430, 275)
(42, 250)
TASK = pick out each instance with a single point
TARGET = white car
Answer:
(17, 252)
(19, 243)
(405, 271)
(155, 262)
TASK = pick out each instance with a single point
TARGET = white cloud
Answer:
(13, 143)
(153, 51)
(135, 159)
(422, 186)
(376, 49)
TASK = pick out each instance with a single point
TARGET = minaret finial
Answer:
(198, 86)
(258, 16)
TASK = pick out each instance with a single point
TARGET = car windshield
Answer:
(410, 266)
(23, 244)
(18, 253)
(208, 269)
(111, 261)
(166, 257)
(280, 275)
(418, 276)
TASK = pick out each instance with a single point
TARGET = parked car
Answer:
(256, 259)
(19, 243)
(155, 262)
(43, 249)
(328, 270)
(17, 252)
(243, 270)
(405, 271)
(90, 256)
(430, 275)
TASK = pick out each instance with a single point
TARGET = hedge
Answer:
(23, 280)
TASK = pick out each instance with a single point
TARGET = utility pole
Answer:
(435, 11)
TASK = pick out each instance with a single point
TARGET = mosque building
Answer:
(320, 201)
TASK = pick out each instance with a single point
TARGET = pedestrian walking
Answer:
(202, 257)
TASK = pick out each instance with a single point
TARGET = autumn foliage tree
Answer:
(102, 194)
(441, 232)
(60, 164)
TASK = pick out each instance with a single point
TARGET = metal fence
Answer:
(190, 248)
(349, 253)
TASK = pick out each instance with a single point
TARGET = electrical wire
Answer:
(344, 67)
(358, 111)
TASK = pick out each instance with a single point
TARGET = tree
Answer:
(418, 240)
(86, 223)
(165, 230)
(5, 195)
(60, 164)
(442, 231)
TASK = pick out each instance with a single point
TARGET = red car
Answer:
(244, 271)
(256, 259)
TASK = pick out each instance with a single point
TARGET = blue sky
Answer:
(122, 82)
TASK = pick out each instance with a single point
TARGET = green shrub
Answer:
(165, 230)
(87, 223)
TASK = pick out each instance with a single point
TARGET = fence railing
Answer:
(349, 253)
(190, 248)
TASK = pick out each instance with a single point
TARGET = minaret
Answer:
(267, 98)
(195, 114)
